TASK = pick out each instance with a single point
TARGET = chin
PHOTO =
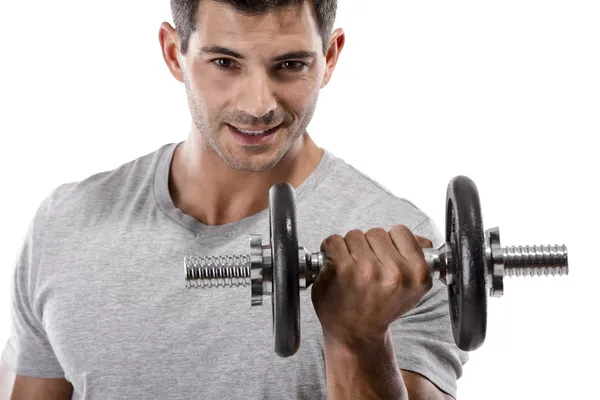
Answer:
(251, 163)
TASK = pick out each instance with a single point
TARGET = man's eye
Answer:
(224, 63)
(293, 65)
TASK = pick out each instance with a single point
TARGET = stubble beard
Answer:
(249, 162)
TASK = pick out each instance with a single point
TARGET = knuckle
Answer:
(343, 268)
(331, 241)
(395, 277)
(376, 232)
(335, 238)
(399, 229)
(366, 273)
(353, 233)
(427, 242)
(364, 263)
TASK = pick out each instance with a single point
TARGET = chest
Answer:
(121, 319)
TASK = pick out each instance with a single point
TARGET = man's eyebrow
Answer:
(303, 55)
(221, 50)
(231, 53)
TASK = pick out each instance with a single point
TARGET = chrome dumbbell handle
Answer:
(255, 268)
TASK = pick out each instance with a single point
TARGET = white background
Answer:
(507, 93)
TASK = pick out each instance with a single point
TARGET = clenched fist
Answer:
(368, 281)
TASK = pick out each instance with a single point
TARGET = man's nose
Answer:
(256, 95)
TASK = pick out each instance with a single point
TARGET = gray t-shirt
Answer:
(99, 294)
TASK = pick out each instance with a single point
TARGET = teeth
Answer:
(253, 133)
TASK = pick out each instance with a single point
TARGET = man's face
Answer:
(253, 81)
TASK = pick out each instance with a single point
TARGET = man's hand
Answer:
(368, 281)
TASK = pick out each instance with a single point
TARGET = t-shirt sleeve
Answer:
(28, 351)
(423, 337)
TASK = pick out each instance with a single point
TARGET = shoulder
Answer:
(368, 203)
(102, 194)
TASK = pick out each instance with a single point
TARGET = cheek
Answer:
(212, 90)
(301, 94)
(217, 88)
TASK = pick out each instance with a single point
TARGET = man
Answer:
(100, 310)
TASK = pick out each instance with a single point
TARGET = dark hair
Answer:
(185, 13)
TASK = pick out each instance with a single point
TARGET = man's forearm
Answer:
(365, 371)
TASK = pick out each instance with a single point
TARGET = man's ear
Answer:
(336, 44)
(169, 44)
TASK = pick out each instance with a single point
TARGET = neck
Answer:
(203, 186)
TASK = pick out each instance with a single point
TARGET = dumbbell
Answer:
(470, 261)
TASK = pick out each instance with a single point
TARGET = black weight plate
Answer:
(464, 231)
(286, 272)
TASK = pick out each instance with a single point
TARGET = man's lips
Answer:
(257, 137)
(255, 129)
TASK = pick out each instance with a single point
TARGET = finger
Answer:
(368, 268)
(359, 247)
(383, 246)
(394, 267)
(424, 242)
(336, 251)
(408, 245)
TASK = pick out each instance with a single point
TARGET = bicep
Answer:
(421, 388)
(27, 387)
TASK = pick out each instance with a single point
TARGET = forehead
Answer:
(221, 24)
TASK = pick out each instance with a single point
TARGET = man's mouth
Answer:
(256, 132)
(255, 137)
